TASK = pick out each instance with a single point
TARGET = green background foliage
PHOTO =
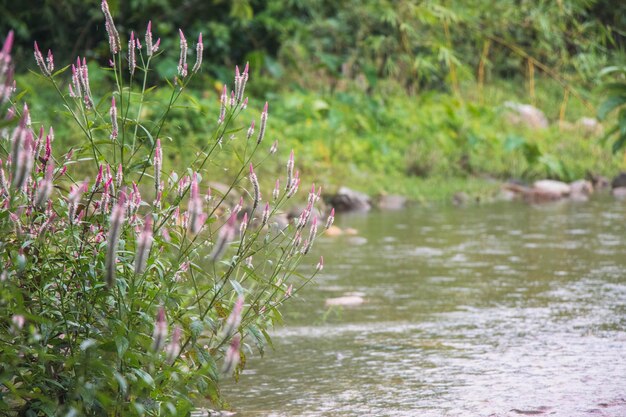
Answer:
(373, 90)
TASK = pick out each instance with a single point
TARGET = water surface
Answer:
(496, 310)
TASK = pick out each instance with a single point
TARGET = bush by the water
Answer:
(129, 290)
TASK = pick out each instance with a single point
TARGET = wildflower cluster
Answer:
(126, 290)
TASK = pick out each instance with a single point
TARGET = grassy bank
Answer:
(427, 147)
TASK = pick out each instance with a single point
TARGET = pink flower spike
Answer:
(234, 319)
(115, 230)
(114, 125)
(223, 99)
(199, 50)
(109, 25)
(244, 223)
(320, 264)
(50, 61)
(119, 178)
(232, 356)
(263, 124)
(276, 191)
(331, 218)
(98, 177)
(266, 214)
(290, 165)
(160, 331)
(182, 61)
(132, 61)
(158, 165)
(250, 130)
(226, 234)
(144, 243)
(149, 46)
(8, 44)
(40, 61)
(173, 348)
(256, 188)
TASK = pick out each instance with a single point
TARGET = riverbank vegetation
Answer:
(397, 97)
(129, 290)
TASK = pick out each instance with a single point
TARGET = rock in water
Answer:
(345, 301)
(619, 193)
(391, 202)
(580, 190)
(619, 180)
(350, 200)
(556, 188)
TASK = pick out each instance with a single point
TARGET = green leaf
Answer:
(87, 343)
(611, 69)
(145, 377)
(621, 121)
(196, 328)
(609, 105)
(237, 287)
(122, 345)
(619, 143)
(121, 381)
(268, 339)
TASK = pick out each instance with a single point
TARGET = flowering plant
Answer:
(134, 293)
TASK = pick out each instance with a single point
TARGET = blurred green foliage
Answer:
(414, 42)
(380, 94)
(615, 102)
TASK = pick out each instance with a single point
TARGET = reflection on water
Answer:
(499, 310)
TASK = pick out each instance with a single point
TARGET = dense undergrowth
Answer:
(389, 97)
(426, 146)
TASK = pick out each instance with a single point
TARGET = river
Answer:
(495, 310)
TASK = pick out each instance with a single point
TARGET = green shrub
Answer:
(133, 292)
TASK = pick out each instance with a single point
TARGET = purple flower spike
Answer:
(172, 350)
(160, 331)
(50, 61)
(144, 243)
(182, 61)
(250, 130)
(232, 357)
(158, 165)
(113, 114)
(149, 39)
(331, 218)
(227, 233)
(255, 185)
(115, 230)
(40, 61)
(320, 264)
(263, 124)
(290, 165)
(109, 25)
(132, 60)
(199, 50)
(266, 214)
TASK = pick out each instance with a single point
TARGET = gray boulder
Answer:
(391, 202)
(350, 200)
(525, 114)
(619, 181)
